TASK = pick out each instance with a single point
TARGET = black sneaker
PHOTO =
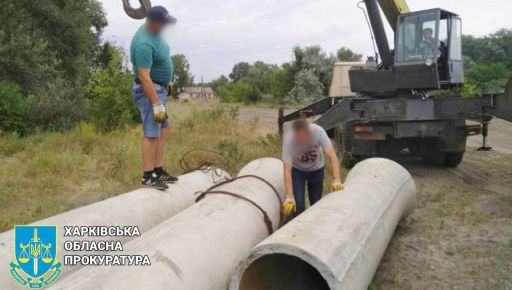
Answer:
(166, 177)
(154, 182)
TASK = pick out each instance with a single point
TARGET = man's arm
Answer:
(289, 205)
(335, 164)
(147, 85)
(288, 179)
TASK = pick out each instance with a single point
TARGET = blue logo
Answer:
(35, 264)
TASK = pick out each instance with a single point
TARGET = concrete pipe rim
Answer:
(283, 253)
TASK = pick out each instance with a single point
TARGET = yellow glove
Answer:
(337, 185)
(160, 113)
(289, 206)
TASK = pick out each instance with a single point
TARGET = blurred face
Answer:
(156, 27)
(427, 34)
(302, 136)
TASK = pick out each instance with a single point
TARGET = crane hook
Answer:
(139, 13)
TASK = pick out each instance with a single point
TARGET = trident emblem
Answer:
(35, 264)
(34, 252)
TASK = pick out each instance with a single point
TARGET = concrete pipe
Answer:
(338, 243)
(143, 208)
(199, 248)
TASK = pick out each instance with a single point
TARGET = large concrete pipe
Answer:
(199, 248)
(339, 242)
(143, 208)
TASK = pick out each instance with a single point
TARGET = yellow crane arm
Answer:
(393, 8)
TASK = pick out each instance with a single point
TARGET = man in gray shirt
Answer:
(303, 157)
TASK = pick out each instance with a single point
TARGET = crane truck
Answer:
(393, 110)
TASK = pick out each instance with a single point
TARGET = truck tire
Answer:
(453, 159)
(345, 145)
(434, 156)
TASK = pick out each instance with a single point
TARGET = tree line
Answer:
(306, 78)
(488, 66)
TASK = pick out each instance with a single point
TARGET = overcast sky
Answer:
(216, 34)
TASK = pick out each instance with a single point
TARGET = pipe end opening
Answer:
(282, 272)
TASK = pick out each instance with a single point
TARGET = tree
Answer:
(108, 95)
(315, 60)
(13, 109)
(182, 75)
(260, 75)
(307, 88)
(43, 40)
(216, 83)
(489, 78)
(25, 56)
(281, 82)
(55, 106)
(346, 54)
(488, 61)
(239, 72)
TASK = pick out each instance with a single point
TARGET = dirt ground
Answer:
(460, 234)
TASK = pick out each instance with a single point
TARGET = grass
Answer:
(46, 174)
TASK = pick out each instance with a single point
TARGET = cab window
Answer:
(417, 38)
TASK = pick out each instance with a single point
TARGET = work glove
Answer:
(337, 185)
(289, 206)
(159, 113)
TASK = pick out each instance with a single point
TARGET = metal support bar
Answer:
(485, 134)
(280, 121)
(317, 108)
(340, 113)
(380, 33)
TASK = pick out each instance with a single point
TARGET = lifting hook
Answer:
(139, 13)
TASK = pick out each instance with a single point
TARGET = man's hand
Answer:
(337, 185)
(289, 206)
(159, 113)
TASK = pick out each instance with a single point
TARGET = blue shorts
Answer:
(150, 126)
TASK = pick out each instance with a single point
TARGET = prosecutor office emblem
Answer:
(35, 264)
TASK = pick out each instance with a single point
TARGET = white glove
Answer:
(159, 113)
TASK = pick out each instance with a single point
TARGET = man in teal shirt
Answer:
(153, 71)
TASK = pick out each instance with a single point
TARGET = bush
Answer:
(11, 143)
(307, 88)
(13, 109)
(109, 95)
(488, 78)
(56, 106)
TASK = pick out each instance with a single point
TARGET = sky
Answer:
(216, 34)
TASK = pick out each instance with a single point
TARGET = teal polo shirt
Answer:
(152, 52)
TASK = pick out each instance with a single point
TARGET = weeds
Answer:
(11, 143)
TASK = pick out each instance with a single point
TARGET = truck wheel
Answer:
(348, 159)
(434, 157)
(453, 159)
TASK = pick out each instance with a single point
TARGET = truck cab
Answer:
(427, 55)
(428, 45)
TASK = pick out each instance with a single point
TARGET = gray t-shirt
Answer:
(307, 157)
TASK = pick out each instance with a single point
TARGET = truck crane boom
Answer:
(392, 9)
